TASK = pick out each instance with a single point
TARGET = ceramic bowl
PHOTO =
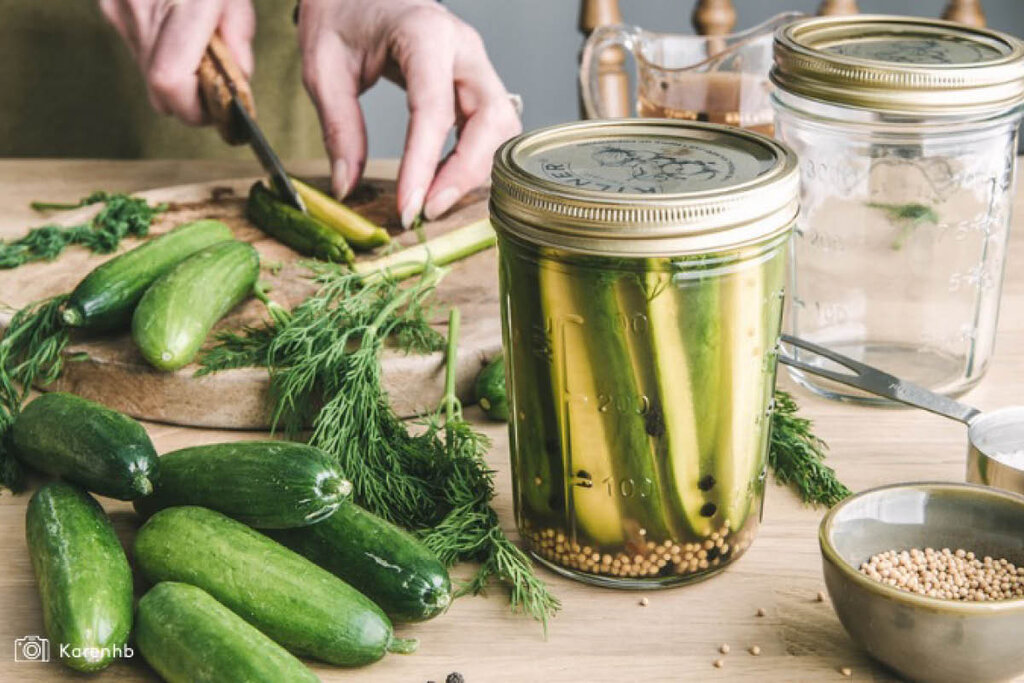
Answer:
(922, 638)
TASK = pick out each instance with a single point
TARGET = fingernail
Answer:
(440, 202)
(411, 207)
(339, 178)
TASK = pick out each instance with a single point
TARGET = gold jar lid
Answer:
(900, 64)
(644, 187)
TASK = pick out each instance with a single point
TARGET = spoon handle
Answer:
(874, 381)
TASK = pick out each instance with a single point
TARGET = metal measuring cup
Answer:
(988, 434)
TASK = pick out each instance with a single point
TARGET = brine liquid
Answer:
(732, 99)
(639, 403)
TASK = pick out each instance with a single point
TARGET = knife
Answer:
(228, 99)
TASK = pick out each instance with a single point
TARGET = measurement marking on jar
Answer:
(628, 487)
(825, 241)
(830, 312)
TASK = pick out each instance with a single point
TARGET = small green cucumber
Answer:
(273, 484)
(302, 232)
(189, 637)
(85, 584)
(177, 313)
(105, 299)
(490, 390)
(304, 608)
(386, 563)
(86, 443)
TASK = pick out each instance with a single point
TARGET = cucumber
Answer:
(490, 390)
(189, 637)
(386, 563)
(273, 484)
(749, 335)
(357, 231)
(683, 317)
(302, 232)
(179, 310)
(86, 443)
(586, 440)
(105, 299)
(304, 608)
(85, 584)
(536, 450)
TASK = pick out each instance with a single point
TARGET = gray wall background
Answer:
(534, 46)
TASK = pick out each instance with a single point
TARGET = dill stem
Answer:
(54, 206)
(454, 323)
(428, 281)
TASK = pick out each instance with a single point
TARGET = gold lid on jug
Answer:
(644, 187)
(900, 64)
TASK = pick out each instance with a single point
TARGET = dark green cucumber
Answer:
(105, 299)
(490, 390)
(189, 637)
(304, 608)
(273, 484)
(85, 584)
(384, 562)
(86, 443)
(177, 313)
(538, 486)
(302, 232)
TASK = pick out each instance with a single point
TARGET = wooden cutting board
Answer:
(116, 375)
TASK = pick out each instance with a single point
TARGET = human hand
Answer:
(168, 39)
(347, 45)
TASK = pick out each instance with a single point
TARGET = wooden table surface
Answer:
(601, 634)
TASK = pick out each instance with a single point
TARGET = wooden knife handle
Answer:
(219, 76)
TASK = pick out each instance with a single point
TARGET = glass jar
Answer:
(642, 265)
(906, 133)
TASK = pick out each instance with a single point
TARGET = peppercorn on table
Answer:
(762, 618)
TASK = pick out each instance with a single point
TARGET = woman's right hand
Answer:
(168, 39)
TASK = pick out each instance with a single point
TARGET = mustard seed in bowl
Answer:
(947, 574)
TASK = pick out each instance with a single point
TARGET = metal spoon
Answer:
(989, 434)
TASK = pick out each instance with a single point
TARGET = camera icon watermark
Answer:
(31, 649)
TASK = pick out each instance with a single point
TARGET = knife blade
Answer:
(229, 101)
(265, 153)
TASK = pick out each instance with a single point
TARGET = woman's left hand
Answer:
(347, 45)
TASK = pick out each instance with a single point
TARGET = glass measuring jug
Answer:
(718, 79)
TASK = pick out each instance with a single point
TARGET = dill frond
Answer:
(796, 456)
(121, 216)
(30, 353)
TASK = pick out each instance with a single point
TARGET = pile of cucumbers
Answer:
(253, 552)
(170, 291)
(173, 289)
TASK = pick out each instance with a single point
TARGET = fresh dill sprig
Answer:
(796, 456)
(324, 364)
(121, 216)
(471, 529)
(30, 353)
(906, 217)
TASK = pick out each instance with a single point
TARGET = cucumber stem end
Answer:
(72, 317)
(403, 646)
